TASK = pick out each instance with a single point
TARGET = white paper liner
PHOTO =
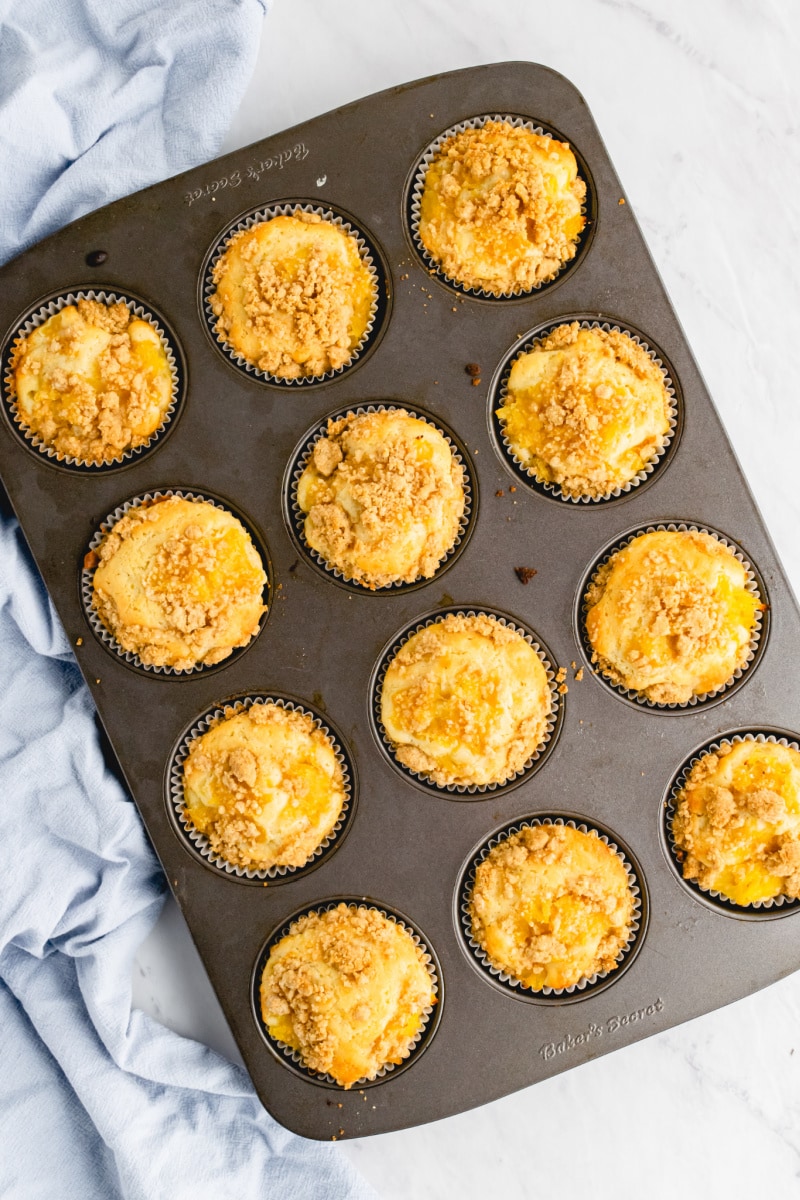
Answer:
(198, 841)
(292, 1056)
(297, 516)
(587, 982)
(431, 264)
(87, 578)
(751, 583)
(762, 907)
(38, 318)
(209, 288)
(460, 789)
(528, 473)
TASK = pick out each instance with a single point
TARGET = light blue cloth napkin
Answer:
(98, 98)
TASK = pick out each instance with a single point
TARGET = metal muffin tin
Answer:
(613, 763)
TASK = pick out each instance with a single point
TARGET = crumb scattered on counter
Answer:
(524, 574)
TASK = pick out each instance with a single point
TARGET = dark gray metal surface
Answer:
(407, 846)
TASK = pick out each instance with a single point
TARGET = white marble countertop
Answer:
(698, 104)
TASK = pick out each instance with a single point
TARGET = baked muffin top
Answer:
(384, 497)
(264, 785)
(586, 409)
(551, 906)
(178, 583)
(92, 381)
(671, 616)
(293, 296)
(501, 207)
(346, 988)
(737, 822)
(466, 701)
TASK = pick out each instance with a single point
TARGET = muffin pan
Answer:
(408, 845)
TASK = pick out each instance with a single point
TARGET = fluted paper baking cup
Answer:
(775, 906)
(588, 984)
(33, 321)
(758, 638)
(369, 255)
(87, 581)
(198, 843)
(499, 394)
(417, 187)
(432, 1013)
(295, 517)
(457, 791)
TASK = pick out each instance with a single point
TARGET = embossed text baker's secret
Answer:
(571, 1041)
(253, 170)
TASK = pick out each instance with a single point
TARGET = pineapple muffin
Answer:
(92, 381)
(501, 208)
(737, 822)
(587, 409)
(551, 906)
(293, 296)
(348, 989)
(383, 497)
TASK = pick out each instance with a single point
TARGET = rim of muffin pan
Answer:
(586, 987)
(86, 578)
(289, 1058)
(760, 910)
(412, 194)
(35, 316)
(526, 475)
(453, 791)
(294, 517)
(758, 641)
(370, 253)
(197, 844)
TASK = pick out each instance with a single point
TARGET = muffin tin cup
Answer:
(758, 640)
(295, 517)
(586, 986)
(197, 843)
(291, 1058)
(416, 186)
(458, 791)
(36, 318)
(498, 394)
(776, 906)
(370, 257)
(107, 639)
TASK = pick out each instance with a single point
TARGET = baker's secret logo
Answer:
(252, 171)
(571, 1041)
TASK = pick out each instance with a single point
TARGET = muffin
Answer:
(466, 701)
(551, 906)
(293, 296)
(383, 497)
(737, 822)
(264, 786)
(671, 616)
(347, 989)
(501, 208)
(586, 409)
(92, 382)
(178, 583)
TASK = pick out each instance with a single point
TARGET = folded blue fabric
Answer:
(98, 98)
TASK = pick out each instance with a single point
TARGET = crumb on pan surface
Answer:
(264, 786)
(551, 906)
(347, 989)
(179, 583)
(587, 409)
(671, 616)
(383, 497)
(293, 296)
(501, 207)
(466, 701)
(737, 822)
(92, 381)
